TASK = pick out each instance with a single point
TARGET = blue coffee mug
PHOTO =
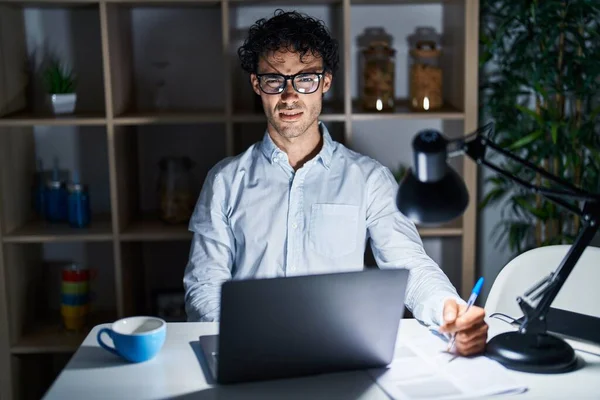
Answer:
(136, 339)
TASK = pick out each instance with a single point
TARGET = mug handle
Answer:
(104, 345)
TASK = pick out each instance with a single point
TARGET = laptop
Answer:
(275, 328)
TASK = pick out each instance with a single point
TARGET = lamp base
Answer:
(537, 353)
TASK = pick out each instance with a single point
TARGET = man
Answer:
(299, 203)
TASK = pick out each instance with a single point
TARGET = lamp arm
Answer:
(474, 145)
(550, 194)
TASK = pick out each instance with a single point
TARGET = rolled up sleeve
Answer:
(396, 243)
(212, 253)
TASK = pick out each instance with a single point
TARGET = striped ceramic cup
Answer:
(75, 296)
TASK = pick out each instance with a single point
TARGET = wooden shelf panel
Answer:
(400, 2)
(52, 3)
(39, 119)
(450, 229)
(170, 3)
(37, 231)
(330, 111)
(170, 117)
(153, 229)
(403, 111)
(52, 337)
(256, 117)
(282, 2)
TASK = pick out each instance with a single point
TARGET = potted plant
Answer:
(541, 87)
(60, 85)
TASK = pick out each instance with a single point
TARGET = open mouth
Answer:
(290, 115)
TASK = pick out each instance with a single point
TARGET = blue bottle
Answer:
(55, 198)
(79, 204)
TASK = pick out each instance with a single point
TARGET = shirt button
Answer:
(292, 268)
(295, 225)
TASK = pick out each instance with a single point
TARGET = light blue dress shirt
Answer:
(258, 218)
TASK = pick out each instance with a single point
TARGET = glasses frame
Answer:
(292, 78)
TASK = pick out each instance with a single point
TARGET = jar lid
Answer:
(76, 187)
(54, 184)
(424, 35)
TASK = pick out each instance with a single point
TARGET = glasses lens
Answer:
(272, 83)
(306, 83)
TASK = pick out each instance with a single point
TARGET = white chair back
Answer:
(580, 293)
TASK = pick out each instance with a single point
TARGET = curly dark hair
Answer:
(292, 31)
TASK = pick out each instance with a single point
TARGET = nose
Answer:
(289, 93)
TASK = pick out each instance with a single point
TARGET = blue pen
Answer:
(471, 301)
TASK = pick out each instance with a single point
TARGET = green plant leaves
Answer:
(58, 79)
(540, 84)
(526, 140)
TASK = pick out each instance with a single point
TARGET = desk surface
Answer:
(179, 372)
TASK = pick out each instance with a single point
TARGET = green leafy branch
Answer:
(540, 84)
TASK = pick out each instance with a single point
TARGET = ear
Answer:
(254, 82)
(327, 78)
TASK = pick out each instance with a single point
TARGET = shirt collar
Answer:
(272, 152)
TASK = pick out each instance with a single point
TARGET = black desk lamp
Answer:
(432, 192)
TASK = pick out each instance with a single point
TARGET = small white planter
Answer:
(63, 103)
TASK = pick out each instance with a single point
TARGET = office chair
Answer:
(580, 293)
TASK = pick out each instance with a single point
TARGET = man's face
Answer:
(291, 113)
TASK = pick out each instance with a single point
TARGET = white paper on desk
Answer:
(421, 370)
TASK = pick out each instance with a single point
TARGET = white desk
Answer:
(179, 372)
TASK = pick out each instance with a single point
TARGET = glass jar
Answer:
(425, 76)
(79, 205)
(378, 83)
(175, 194)
(56, 201)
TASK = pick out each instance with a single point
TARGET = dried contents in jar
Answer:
(425, 80)
(175, 196)
(378, 77)
(176, 206)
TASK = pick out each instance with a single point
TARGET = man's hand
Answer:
(470, 328)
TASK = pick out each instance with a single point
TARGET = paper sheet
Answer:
(423, 370)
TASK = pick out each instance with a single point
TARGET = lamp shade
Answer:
(431, 192)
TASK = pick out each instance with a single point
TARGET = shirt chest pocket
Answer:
(333, 229)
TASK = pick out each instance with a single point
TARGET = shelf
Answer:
(396, 2)
(330, 111)
(52, 3)
(153, 229)
(282, 2)
(403, 111)
(38, 231)
(256, 117)
(170, 3)
(169, 117)
(35, 119)
(450, 229)
(51, 337)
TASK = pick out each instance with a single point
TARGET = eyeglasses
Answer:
(304, 83)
